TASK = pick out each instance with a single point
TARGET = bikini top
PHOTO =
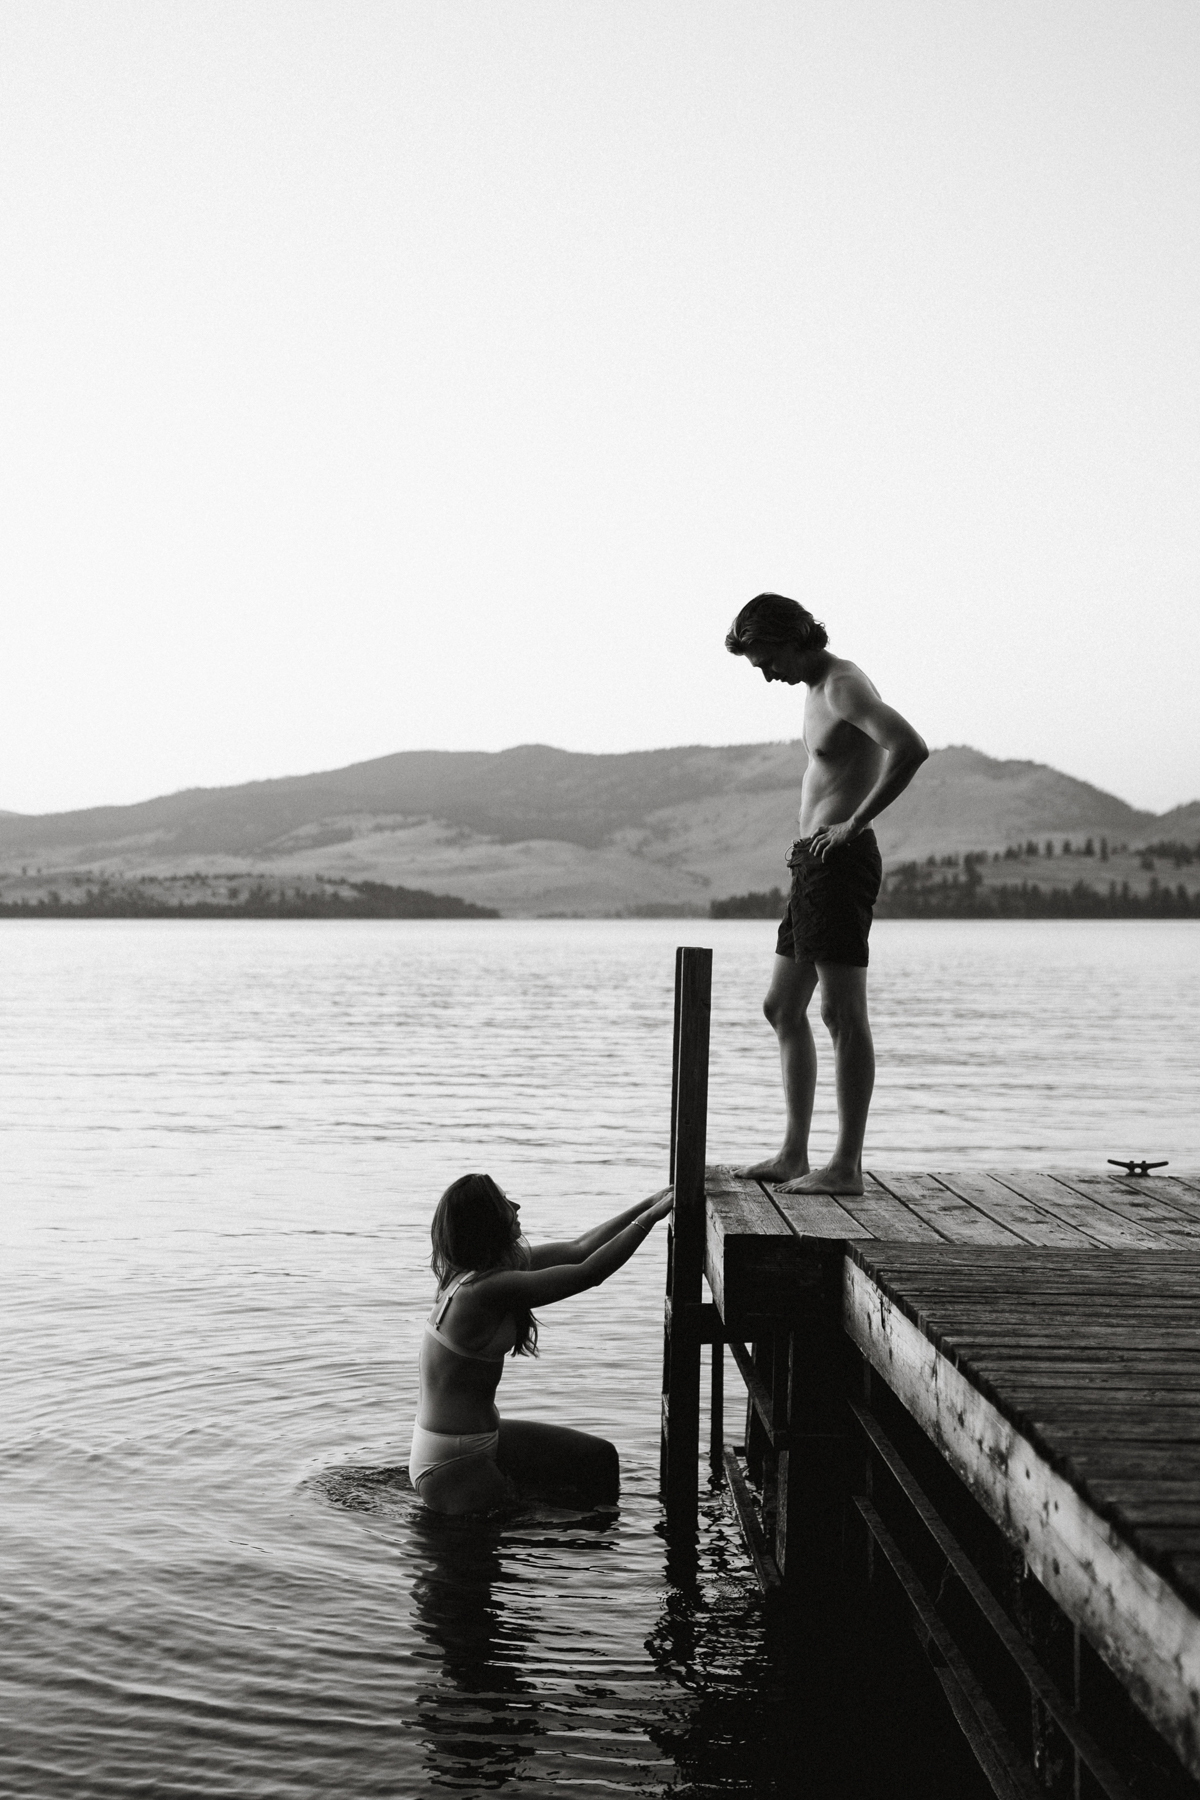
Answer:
(431, 1325)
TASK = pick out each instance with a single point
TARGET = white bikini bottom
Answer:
(434, 1449)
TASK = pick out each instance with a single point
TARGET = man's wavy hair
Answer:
(771, 619)
(473, 1229)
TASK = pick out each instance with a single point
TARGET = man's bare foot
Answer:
(829, 1180)
(777, 1168)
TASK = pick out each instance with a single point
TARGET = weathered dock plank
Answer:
(954, 1220)
(885, 1216)
(1006, 1205)
(1057, 1197)
(1138, 1203)
(1088, 1481)
(818, 1216)
(1051, 1352)
(1183, 1191)
(1021, 1209)
(1183, 1199)
(1159, 1215)
(753, 1261)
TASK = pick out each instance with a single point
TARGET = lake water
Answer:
(220, 1145)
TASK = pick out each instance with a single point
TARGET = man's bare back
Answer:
(861, 755)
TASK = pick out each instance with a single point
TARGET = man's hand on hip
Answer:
(831, 837)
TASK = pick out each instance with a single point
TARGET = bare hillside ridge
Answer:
(535, 829)
(532, 791)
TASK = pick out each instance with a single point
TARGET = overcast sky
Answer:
(382, 375)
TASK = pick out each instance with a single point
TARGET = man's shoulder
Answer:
(844, 676)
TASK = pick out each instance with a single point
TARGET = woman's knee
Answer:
(557, 1458)
(604, 1469)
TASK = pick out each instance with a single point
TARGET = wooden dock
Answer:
(982, 1391)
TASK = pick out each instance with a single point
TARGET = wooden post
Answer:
(679, 956)
(716, 1409)
(762, 1353)
(685, 1256)
(811, 1473)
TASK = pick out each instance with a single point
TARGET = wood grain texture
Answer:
(884, 1216)
(1126, 1575)
(1029, 1212)
(1096, 1357)
(1138, 1203)
(1055, 1195)
(1028, 1209)
(954, 1220)
(1019, 1213)
(1175, 1191)
(754, 1263)
(819, 1216)
(1184, 1191)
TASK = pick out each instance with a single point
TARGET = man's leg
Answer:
(786, 1007)
(844, 1010)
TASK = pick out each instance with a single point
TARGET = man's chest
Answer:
(826, 737)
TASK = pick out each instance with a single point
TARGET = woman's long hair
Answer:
(473, 1228)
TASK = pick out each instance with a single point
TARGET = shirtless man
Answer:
(861, 754)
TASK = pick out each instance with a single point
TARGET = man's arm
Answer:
(904, 750)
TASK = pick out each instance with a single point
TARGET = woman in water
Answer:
(465, 1458)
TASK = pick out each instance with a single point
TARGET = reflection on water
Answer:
(478, 1712)
(219, 1150)
(736, 1709)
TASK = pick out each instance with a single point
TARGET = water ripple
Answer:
(221, 1146)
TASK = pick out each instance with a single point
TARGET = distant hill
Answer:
(962, 799)
(1182, 823)
(532, 791)
(540, 830)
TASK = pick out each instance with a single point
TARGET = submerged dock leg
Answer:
(716, 1410)
(685, 1256)
(811, 1483)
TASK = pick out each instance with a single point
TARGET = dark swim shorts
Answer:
(829, 909)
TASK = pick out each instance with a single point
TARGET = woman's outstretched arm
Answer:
(577, 1250)
(507, 1289)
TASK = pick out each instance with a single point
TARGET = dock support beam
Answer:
(682, 1336)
